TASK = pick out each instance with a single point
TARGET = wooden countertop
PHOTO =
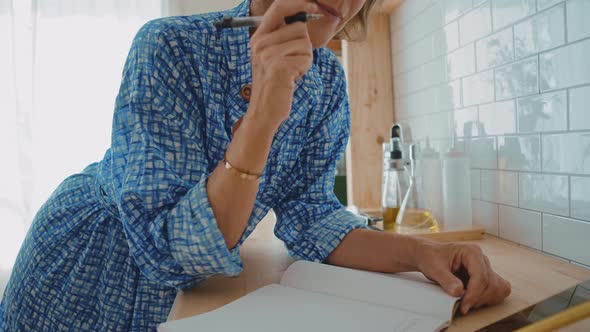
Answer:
(534, 277)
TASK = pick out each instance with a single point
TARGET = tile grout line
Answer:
(569, 182)
(542, 237)
(523, 96)
(565, 29)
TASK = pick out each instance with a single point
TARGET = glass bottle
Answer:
(414, 216)
(394, 183)
(394, 186)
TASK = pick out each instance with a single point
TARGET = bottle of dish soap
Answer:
(414, 215)
(430, 167)
(456, 189)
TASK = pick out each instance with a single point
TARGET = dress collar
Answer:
(236, 44)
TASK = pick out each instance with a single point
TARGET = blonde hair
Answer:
(356, 28)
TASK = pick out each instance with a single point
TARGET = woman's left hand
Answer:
(463, 270)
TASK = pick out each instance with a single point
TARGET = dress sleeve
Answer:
(310, 220)
(160, 166)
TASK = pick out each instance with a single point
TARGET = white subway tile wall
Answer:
(580, 198)
(565, 237)
(448, 95)
(465, 122)
(461, 62)
(499, 187)
(522, 226)
(567, 153)
(475, 24)
(539, 33)
(495, 50)
(482, 152)
(454, 8)
(476, 184)
(565, 66)
(544, 4)
(478, 88)
(518, 79)
(580, 108)
(544, 112)
(511, 80)
(509, 11)
(485, 215)
(578, 12)
(545, 193)
(498, 118)
(519, 153)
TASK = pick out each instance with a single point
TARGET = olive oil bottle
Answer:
(394, 183)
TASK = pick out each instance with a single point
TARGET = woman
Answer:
(197, 159)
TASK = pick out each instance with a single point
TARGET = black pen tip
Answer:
(224, 23)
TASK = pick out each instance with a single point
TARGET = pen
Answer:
(254, 21)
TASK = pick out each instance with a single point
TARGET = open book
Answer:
(319, 297)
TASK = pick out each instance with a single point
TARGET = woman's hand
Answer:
(455, 265)
(281, 54)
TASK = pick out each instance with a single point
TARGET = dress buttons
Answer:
(246, 91)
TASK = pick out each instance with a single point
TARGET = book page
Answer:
(404, 291)
(285, 309)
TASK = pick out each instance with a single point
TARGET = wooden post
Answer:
(369, 74)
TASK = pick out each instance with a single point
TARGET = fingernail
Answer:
(466, 308)
(457, 289)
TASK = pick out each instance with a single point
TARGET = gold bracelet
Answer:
(241, 174)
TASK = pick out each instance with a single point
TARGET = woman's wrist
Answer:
(266, 115)
(250, 145)
(260, 124)
(418, 250)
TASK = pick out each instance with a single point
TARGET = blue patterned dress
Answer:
(112, 245)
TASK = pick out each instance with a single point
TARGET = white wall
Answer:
(511, 79)
(186, 7)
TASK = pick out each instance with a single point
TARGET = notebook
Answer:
(320, 297)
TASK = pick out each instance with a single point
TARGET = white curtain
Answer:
(60, 68)
(15, 114)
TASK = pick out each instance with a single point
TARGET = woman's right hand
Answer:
(281, 54)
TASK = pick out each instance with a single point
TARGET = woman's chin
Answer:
(321, 33)
(320, 43)
(320, 38)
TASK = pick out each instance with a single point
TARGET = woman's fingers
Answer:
(285, 53)
(292, 47)
(287, 33)
(464, 264)
(479, 277)
(497, 289)
(450, 283)
(293, 68)
(281, 54)
(485, 287)
(274, 17)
